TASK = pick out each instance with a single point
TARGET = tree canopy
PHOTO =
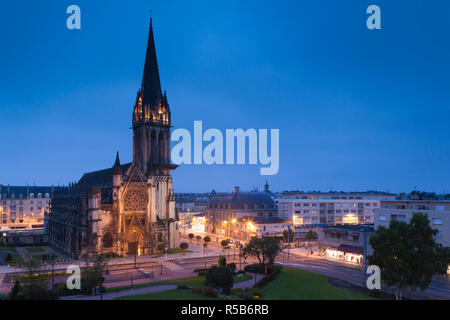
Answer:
(264, 249)
(407, 253)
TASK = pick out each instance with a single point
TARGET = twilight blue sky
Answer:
(357, 109)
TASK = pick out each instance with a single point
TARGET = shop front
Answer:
(345, 253)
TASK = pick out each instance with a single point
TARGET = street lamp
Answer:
(135, 248)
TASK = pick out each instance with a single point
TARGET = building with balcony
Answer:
(23, 207)
(314, 209)
(438, 212)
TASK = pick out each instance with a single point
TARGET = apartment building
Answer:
(438, 212)
(23, 207)
(324, 209)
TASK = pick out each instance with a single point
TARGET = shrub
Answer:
(182, 286)
(201, 269)
(184, 245)
(202, 273)
(230, 297)
(236, 291)
(8, 257)
(221, 277)
(272, 275)
(255, 291)
(224, 243)
(259, 268)
(207, 239)
(222, 261)
(196, 290)
(232, 267)
(209, 292)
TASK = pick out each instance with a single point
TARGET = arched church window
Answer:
(135, 200)
(107, 240)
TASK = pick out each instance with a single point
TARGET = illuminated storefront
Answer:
(345, 253)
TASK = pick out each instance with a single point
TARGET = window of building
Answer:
(436, 221)
(397, 217)
(382, 218)
(32, 195)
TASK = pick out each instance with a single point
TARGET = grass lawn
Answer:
(13, 249)
(34, 249)
(15, 256)
(175, 294)
(294, 284)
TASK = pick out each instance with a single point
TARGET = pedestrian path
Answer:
(172, 266)
(124, 293)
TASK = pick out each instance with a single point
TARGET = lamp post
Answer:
(289, 239)
(135, 248)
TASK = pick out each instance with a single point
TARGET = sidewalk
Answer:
(113, 295)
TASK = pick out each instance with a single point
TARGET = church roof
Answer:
(151, 85)
(241, 200)
(101, 178)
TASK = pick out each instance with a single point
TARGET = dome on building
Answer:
(243, 200)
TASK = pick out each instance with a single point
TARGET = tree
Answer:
(224, 243)
(264, 249)
(191, 236)
(184, 245)
(291, 235)
(311, 236)
(222, 261)
(92, 277)
(207, 239)
(35, 283)
(198, 238)
(219, 277)
(407, 254)
(15, 291)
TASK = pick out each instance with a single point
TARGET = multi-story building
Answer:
(438, 212)
(23, 207)
(313, 209)
(260, 227)
(346, 243)
(223, 210)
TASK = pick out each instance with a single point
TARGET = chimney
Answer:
(236, 190)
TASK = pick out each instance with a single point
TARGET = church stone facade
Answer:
(129, 208)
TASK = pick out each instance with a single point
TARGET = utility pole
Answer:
(365, 255)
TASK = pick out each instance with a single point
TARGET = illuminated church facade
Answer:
(128, 208)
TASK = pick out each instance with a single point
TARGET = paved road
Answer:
(438, 288)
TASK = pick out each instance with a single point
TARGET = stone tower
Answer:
(151, 117)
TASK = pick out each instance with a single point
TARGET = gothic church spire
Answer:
(151, 85)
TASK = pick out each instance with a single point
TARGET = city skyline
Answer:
(357, 109)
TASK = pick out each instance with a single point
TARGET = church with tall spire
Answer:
(129, 208)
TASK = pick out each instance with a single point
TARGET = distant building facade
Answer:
(402, 210)
(23, 207)
(223, 210)
(322, 209)
(346, 243)
(129, 208)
